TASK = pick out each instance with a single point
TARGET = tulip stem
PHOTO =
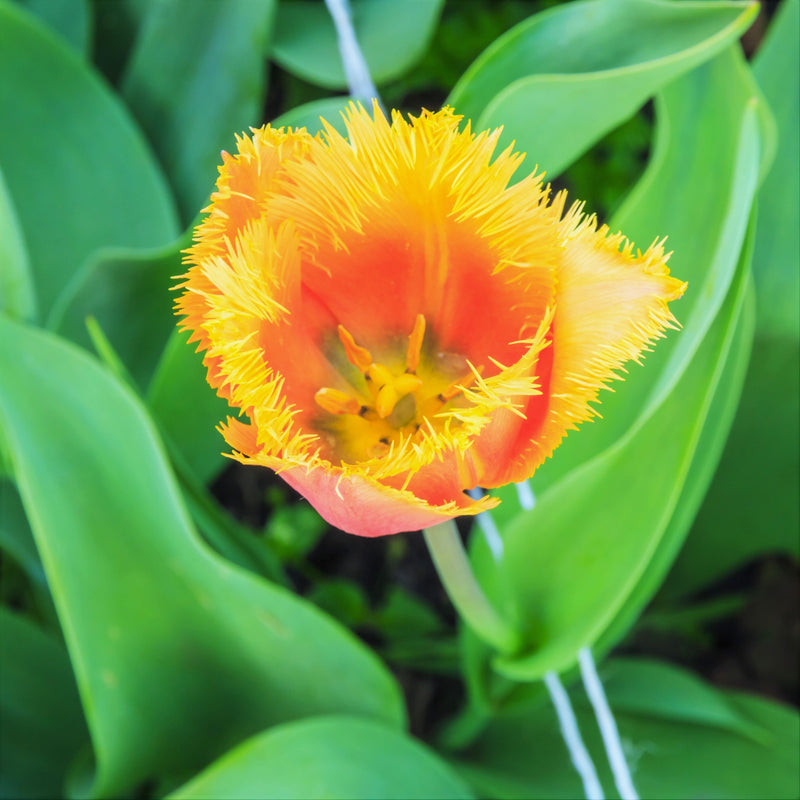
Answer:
(452, 564)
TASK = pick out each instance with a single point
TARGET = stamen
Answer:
(395, 406)
(358, 356)
(386, 400)
(379, 375)
(336, 402)
(415, 344)
(406, 384)
(389, 389)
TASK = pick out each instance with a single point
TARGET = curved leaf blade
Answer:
(99, 186)
(340, 757)
(17, 294)
(562, 79)
(600, 526)
(127, 292)
(722, 745)
(392, 36)
(195, 76)
(762, 457)
(168, 641)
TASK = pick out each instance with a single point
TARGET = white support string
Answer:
(525, 494)
(488, 527)
(355, 65)
(607, 725)
(578, 753)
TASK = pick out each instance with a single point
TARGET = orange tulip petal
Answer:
(611, 304)
(357, 504)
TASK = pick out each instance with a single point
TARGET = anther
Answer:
(386, 400)
(358, 356)
(415, 344)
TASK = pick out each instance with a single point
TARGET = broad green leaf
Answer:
(657, 689)
(127, 292)
(195, 77)
(704, 134)
(308, 115)
(187, 409)
(393, 37)
(71, 19)
(169, 642)
(705, 743)
(17, 295)
(598, 529)
(78, 171)
(328, 757)
(762, 458)
(560, 80)
(609, 509)
(776, 263)
(707, 454)
(41, 723)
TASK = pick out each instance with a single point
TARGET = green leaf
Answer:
(711, 126)
(308, 115)
(777, 256)
(17, 295)
(169, 642)
(68, 18)
(610, 510)
(187, 409)
(195, 77)
(657, 689)
(693, 747)
(77, 169)
(328, 757)
(762, 457)
(393, 37)
(599, 528)
(560, 80)
(127, 292)
(701, 471)
(41, 722)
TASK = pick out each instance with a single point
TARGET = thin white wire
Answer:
(578, 753)
(355, 65)
(488, 527)
(607, 725)
(525, 494)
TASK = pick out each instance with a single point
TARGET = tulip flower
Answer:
(397, 322)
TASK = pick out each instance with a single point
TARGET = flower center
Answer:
(394, 403)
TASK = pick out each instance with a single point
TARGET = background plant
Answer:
(170, 624)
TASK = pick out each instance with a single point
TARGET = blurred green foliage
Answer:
(152, 644)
